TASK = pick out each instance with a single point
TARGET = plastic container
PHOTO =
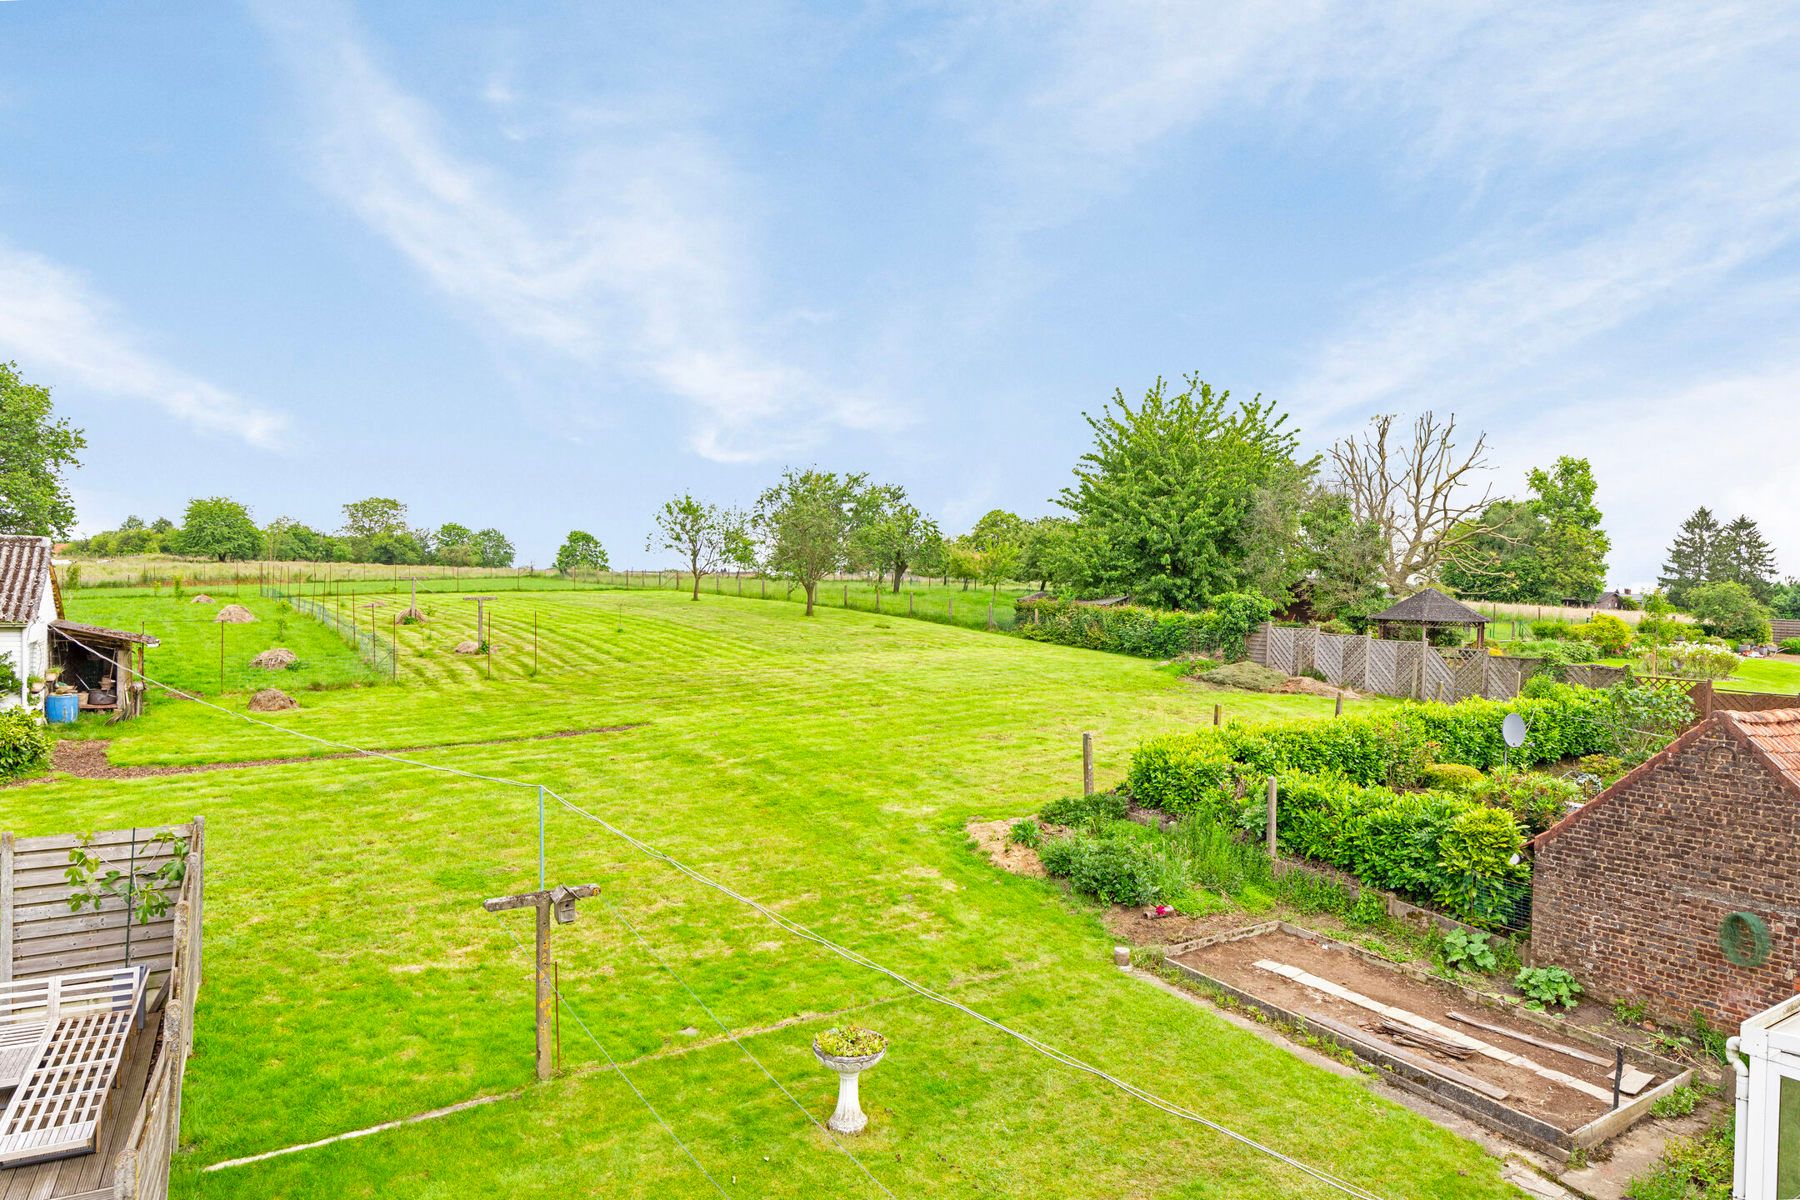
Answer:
(62, 710)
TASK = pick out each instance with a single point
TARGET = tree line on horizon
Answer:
(1182, 496)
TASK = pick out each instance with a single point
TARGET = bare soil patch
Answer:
(1234, 962)
(993, 839)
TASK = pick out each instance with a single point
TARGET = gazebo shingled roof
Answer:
(1431, 607)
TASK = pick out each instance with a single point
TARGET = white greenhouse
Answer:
(1766, 1053)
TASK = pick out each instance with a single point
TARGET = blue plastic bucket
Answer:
(62, 710)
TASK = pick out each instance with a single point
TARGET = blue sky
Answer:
(543, 269)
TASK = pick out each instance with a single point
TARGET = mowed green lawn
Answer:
(825, 766)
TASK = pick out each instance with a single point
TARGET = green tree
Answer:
(708, 536)
(962, 561)
(1693, 556)
(581, 551)
(805, 522)
(1052, 554)
(35, 448)
(454, 545)
(1343, 556)
(493, 548)
(1745, 556)
(288, 540)
(999, 541)
(891, 533)
(1731, 611)
(366, 520)
(1785, 600)
(1568, 546)
(1168, 493)
(218, 528)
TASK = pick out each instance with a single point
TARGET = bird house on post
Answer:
(559, 901)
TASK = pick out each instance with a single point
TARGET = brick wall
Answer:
(1631, 893)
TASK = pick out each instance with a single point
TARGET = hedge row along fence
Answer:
(1339, 784)
(1218, 632)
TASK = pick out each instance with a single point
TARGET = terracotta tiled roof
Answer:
(1432, 607)
(24, 570)
(1773, 736)
(1776, 733)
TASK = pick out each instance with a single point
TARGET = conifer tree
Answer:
(1746, 557)
(1693, 556)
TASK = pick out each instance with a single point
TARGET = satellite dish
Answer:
(1513, 730)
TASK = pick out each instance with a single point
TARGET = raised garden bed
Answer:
(1523, 1081)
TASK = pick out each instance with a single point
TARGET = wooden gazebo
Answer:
(1421, 612)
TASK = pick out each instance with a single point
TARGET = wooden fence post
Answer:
(1339, 710)
(1087, 764)
(1274, 853)
(1218, 714)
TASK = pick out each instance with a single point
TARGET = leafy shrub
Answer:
(1115, 869)
(1605, 766)
(1535, 801)
(1025, 833)
(1466, 951)
(1695, 660)
(1251, 677)
(1084, 811)
(9, 678)
(1679, 1103)
(1199, 666)
(1146, 632)
(1731, 611)
(1451, 777)
(1630, 1012)
(1557, 657)
(1606, 633)
(851, 1041)
(1549, 631)
(1478, 865)
(1369, 909)
(1690, 1169)
(1544, 986)
(24, 744)
(1790, 646)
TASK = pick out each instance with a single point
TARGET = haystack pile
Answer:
(467, 648)
(276, 658)
(202, 598)
(272, 700)
(235, 614)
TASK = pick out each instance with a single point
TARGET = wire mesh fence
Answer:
(378, 649)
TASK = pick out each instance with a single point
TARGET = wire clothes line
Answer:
(805, 934)
(620, 1072)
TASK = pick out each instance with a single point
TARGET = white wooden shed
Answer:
(29, 602)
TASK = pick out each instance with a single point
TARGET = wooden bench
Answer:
(62, 1040)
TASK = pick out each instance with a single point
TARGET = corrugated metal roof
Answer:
(24, 570)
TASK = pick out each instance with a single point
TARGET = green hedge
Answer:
(1449, 850)
(1191, 772)
(1147, 632)
(24, 744)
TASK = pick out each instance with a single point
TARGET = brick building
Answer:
(1636, 892)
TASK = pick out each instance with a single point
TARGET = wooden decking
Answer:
(90, 1176)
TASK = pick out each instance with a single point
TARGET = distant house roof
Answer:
(1772, 736)
(100, 633)
(24, 569)
(1431, 607)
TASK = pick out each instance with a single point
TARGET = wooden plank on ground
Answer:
(1326, 986)
(1631, 1083)
(1359, 1037)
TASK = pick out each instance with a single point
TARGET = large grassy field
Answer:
(825, 766)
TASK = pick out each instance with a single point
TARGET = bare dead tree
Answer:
(1417, 494)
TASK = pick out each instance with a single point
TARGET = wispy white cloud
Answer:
(626, 259)
(51, 321)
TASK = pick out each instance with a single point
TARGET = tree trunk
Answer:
(696, 585)
(899, 570)
(810, 589)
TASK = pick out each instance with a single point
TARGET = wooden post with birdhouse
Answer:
(558, 902)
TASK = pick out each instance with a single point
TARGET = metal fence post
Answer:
(1087, 764)
(1274, 853)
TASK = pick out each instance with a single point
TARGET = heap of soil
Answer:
(276, 658)
(272, 700)
(412, 616)
(235, 614)
(202, 598)
(1313, 687)
(467, 648)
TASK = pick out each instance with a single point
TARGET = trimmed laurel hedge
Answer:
(1190, 772)
(1147, 632)
(1449, 850)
